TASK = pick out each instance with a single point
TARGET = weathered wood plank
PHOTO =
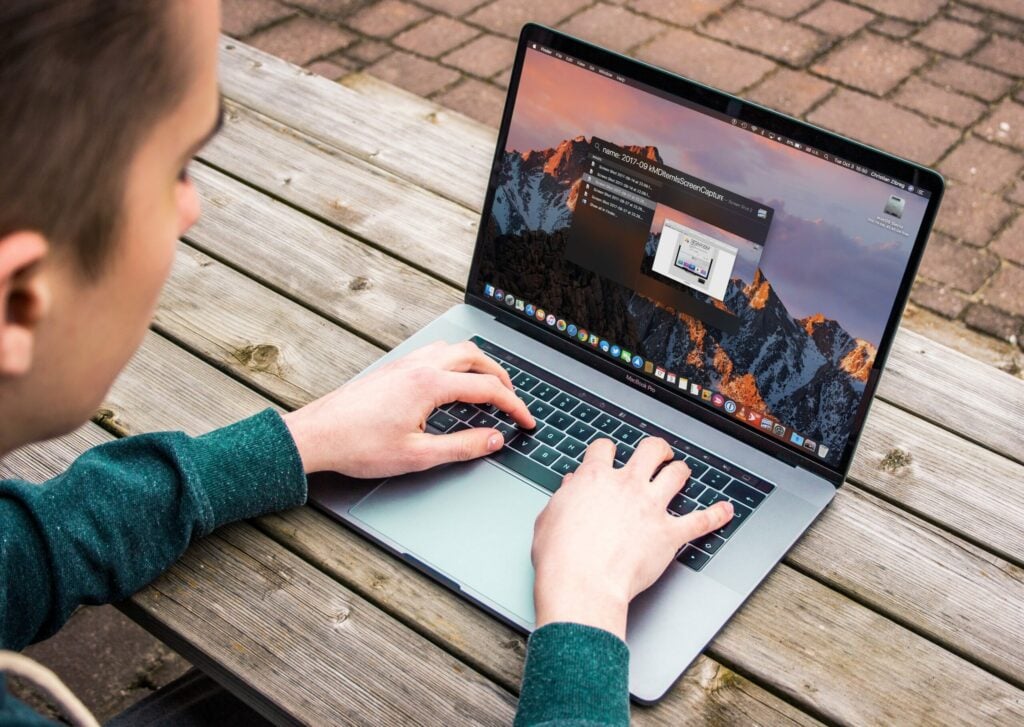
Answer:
(237, 323)
(897, 670)
(922, 376)
(402, 143)
(412, 223)
(981, 627)
(340, 278)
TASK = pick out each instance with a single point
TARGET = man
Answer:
(104, 104)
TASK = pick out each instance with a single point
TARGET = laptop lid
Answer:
(742, 266)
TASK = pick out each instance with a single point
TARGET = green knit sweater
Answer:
(125, 511)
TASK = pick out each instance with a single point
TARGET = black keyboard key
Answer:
(693, 488)
(547, 392)
(527, 398)
(585, 412)
(709, 497)
(483, 420)
(549, 436)
(565, 465)
(746, 495)
(507, 431)
(682, 505)
(716, 479)
(709, 543)
(544, 454)
(581, 431)
(512, 370)
(560, 419)
(459, 426)
(463, 411)
(529, 469)
(697, 468)
(524, 443)
(442, 421)
(623, 452)
(606, 423)
(540, 409)
(628, 434)
(565, 402)
(740, 513)
(571, 447)
(693, 558)
(524, 381)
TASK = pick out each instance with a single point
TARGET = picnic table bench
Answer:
(340, 218)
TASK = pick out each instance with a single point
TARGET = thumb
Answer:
(702, 522)
(459, 446)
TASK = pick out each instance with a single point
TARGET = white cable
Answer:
(34, 672)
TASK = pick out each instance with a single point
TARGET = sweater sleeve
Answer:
(125, 511)
(575, 676)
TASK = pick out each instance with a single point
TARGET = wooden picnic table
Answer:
(340, 218)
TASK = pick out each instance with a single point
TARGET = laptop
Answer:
(658, 258)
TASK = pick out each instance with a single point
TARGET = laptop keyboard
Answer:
(569, 418)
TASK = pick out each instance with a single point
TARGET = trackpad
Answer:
(473, 522)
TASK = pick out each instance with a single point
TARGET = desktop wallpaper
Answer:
(813, 308)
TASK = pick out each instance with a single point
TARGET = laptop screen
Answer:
(735, 266)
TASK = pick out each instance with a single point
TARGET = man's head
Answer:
(104, 103)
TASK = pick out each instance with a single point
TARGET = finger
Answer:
(435, 449)
(702, 522)
(650, 454)
(467, 356)
(600, 452)
(483, 389)
(671, 479)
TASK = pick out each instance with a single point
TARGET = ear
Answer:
(24, 299)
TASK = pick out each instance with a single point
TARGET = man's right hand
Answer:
(606, 534)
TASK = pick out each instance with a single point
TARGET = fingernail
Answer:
(494, 443)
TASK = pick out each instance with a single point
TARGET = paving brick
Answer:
(679, 12)
(367, 51)
(780, 39)
(958, 266)
(938, 298)
(931, 100)
(990, 320)
(782, 8)
(871, 62)
(947, 36)
(705, 60)
(502, 79)
(982, 165)
(971, 215)
(1013, 8)
(452, 7)
(335, 9)
(485, 56)
(916, 11)
(968, 79)
(1004, 125)
(837, 18)
(242, 17)
(435, 36)
(1017, 193)
(508, 16)
(413, 73)
(1005, 26)
(332, 69)
(301, 39)
(1002, 54)
(893, 28)
(1010, 243)
(615, 27)
(884, 125)
(1005, 290)
(481, 101)
(385, 18)
(792, 92)
(968, 15)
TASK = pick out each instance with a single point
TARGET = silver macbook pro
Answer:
(659, 258)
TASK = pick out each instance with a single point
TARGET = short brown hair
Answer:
(81, 82)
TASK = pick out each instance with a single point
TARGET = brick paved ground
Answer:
(938, 81)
